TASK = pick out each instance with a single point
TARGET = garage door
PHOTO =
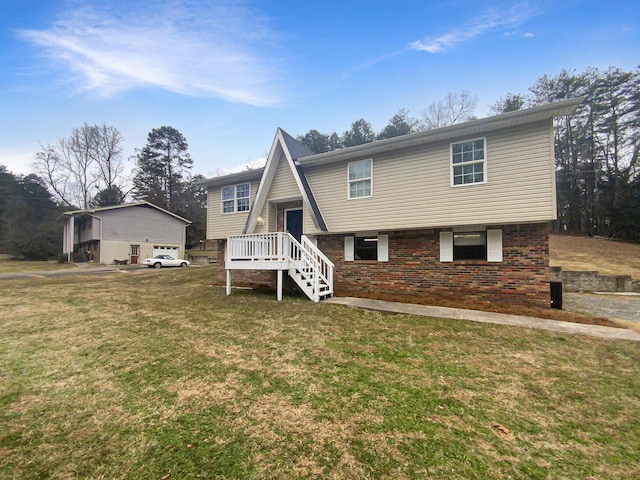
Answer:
(173, 251)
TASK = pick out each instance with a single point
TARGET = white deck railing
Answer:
(311, 268)
(258, 247)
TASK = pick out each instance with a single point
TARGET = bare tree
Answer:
(454, 108)
(49, 165)
(108, 152)
(85, 164)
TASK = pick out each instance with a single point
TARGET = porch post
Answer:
(228, 282)
(279, 285)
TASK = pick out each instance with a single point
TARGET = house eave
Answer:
(143, 203)
(232, 178)
(385, 228)
(470, 128)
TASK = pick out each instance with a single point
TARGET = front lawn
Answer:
(159, 375)
(8, 265)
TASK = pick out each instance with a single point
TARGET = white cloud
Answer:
(203, 49)
(18, 161)
(527, 35)
(496, 18)
(250, 165)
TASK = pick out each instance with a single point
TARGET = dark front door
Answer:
(293, 222)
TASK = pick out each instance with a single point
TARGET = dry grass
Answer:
(606, 256)
(7, 265)
(157, 374)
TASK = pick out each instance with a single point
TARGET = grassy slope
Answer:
(607, 256)
(157, 374)
(9, 266)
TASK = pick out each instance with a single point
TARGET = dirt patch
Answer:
(617, 307)
(608, 257)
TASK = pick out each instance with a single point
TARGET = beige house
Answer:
(124, 233)
(459, 211)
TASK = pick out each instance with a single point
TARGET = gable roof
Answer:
(231, 178)
(142, 203)
(284, 145)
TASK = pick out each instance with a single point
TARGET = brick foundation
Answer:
(415, 274)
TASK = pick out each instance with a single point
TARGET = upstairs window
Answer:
(360, 179)
(235, 198)
(468, 162)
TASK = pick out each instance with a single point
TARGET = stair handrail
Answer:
(303, 255)
(323, 264)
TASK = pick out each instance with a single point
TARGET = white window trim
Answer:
(483, 161)
(349, 197)
(235, 199)
(350, 247)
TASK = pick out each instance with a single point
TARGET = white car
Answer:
(165, 261)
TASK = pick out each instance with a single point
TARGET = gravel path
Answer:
(623, 307)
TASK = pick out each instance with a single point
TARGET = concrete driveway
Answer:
(612, 306)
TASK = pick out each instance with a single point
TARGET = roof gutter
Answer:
(473, 127)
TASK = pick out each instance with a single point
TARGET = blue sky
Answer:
(228, 73)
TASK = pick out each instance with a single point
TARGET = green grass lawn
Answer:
(158, 375)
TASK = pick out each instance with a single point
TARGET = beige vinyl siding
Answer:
(412, 188)
(283, 186)
(221, 225)
(308, 228)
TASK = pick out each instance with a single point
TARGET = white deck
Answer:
(279, 251)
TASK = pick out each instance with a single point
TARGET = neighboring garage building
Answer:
(130, 232)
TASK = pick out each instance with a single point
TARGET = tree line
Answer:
(454, 108)
(596, 155)
(87, 170)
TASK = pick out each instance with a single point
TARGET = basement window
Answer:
(475, 245)
(470, 246)
(366, 248)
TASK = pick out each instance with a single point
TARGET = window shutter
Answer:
(446, 246)
(383, 248)
(494, 245)
(349, 250)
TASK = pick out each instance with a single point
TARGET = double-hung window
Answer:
(235, 198)
(360, 179)
(468, 162)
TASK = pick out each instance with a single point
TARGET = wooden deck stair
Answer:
(303, 261)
